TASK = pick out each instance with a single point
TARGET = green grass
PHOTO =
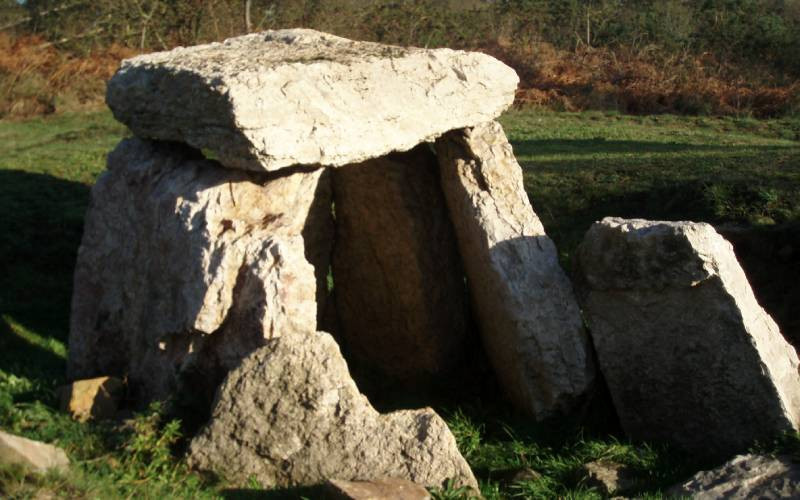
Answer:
(582, 167)
(578, 168)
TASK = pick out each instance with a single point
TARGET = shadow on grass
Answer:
(589, 147)
(20, 357)
(40, 230)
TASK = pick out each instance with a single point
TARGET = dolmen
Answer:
(285, 184)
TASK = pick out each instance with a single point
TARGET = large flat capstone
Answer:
(278, 98)
(689, 356)
(186, 267)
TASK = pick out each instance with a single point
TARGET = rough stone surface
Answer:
(688, 354)
(608, 476)
(291, 415)
(278, 98)
(399, 282)
(185, 267)
(528, 315)
(770, 257)
(32, 455)
(379, 489)
(96, 398)
(744, 477)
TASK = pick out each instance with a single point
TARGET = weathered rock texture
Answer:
(744, 477)
(529, 318)
(399, 282)
(96, 398)
(291, 415)
(688, 354)
(186, 267)
(379, 489)
(279, 98)
(770, 257)
(608, 476)
(32, 455)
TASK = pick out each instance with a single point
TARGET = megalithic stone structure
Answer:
(194, 269)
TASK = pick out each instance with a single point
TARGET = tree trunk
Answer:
(247, 21)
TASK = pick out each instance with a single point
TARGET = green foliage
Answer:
(734, 29)
(579, 167)
(148, 453)
(754, 30)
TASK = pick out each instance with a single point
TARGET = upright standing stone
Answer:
(269, 100)
(291, 415)
(529, 318)
(399, 282)
(186, 267)
(688, 354)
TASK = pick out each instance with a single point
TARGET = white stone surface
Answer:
(269, 100)
(689, 356)
(291, 415)
(527, 311)
(185, 265)
(32, 455)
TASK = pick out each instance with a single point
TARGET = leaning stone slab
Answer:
(744, 477)
(291, 415)
(269, 100)
(32, 455)
(688, 354)
(186, 267)
(528, 315)
(399, 282)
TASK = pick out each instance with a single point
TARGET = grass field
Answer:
(578, 168)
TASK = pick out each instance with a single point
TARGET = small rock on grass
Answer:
(608, 476)
(745, 476)
(96, 398)
(379, 489)
(32, 455)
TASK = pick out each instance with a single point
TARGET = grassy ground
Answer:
(578, 168)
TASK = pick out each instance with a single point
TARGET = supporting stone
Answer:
(186, 267)
(291, 415)
(399, 282)
(689, 356)
(529, 318)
